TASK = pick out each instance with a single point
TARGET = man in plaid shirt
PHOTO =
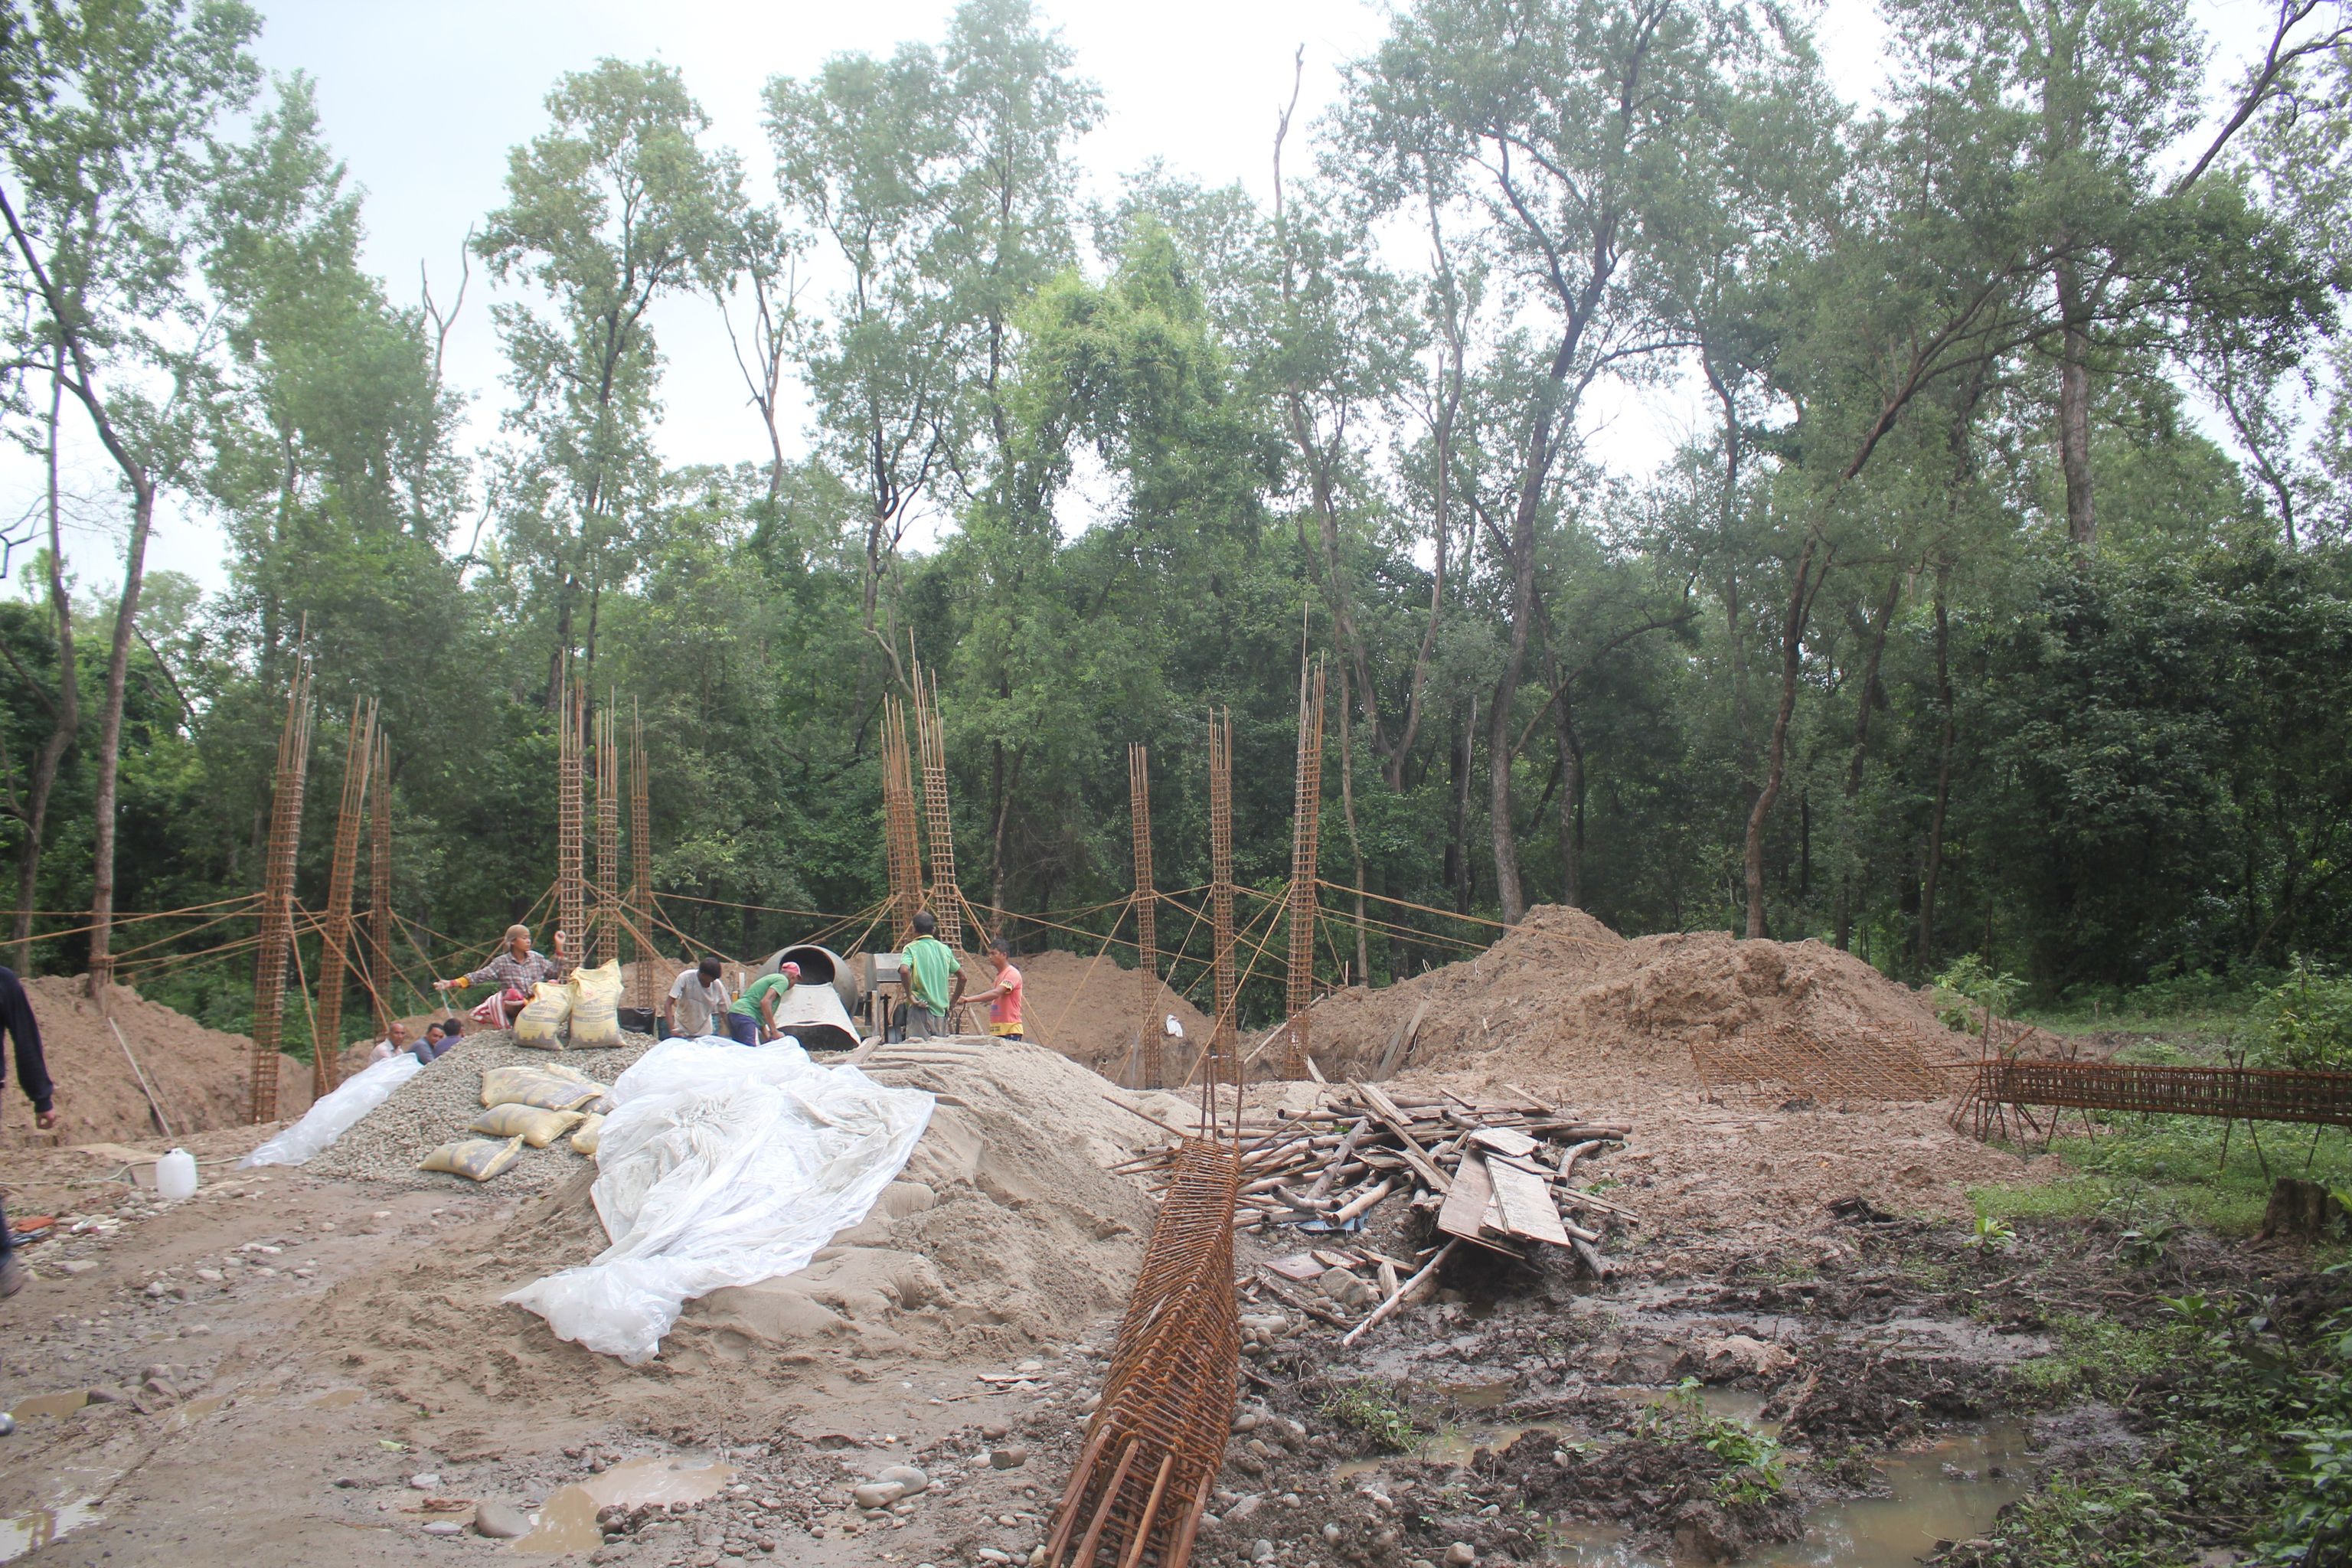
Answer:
(515, 970)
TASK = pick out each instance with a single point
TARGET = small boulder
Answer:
(910, 1481)
(1012, 1457)
(425, 1480)
(877, 1494)
(1461, 1554)
(501, 1521)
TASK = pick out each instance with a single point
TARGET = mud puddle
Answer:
(74, 1505)
(1949, 1490)
(567, 1522)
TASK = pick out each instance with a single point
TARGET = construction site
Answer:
(1575, 1249)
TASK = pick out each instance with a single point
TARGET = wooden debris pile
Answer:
(1501, 1174)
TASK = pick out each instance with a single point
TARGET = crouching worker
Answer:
(752, 1017)
(514, 972)
(696, 997)
(934, 980)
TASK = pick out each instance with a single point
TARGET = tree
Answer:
(111, 136)
(614, 207)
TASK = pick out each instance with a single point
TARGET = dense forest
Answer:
(1997, 601)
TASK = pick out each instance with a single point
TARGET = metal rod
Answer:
(1147, 923)
(278, 892)
(641, 857)
(1305, 813)
(358, 765)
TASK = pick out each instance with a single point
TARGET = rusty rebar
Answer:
(381, 968)
(905, 863)
(278, 893)
(359, 763)
(1307, 804)
(1151, 1042)
(2239, 1094)
(609, 882)
(571, 895)
(939, 832)
(1224, 1058)
(645, 992)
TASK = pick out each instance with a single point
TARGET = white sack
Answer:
(336, 1113)
(722, 1167)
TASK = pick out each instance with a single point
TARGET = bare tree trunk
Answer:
(2074, 411)
(1934, 867)
(1874, 650)
(110, 740)
(1571, 808)
(65, 714)
(1461, 762)
(1801, 586)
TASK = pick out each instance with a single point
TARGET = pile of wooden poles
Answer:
(1500, 1174)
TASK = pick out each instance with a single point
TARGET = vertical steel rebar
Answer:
(359, 763)
(931, 745)
(570, 895)
(278, 893)
(1152, 1040)
(608, 839)
(1224, 1060)
(1306, 814)
(380, 966)
(641, 860)
(899, 825)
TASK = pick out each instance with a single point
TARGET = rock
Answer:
(445, 1527)
(155, 1290)
(211, 1276)
(76, 1267)
(1029, 1366)
(1746, 1355)
(109, 1393)
(1012, 1457)
(991, 1555)
(1261, 1550)
(349, 1483)
(994, 1430)
(1331, 1534)
(425, 1480)
(160, 1388)
(501, 1521)
(912, 1481)
(877, 1494)
(1461, 1554)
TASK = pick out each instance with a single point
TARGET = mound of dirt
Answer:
(1090, 1011)
(1564, 997)
(1005, 1230)
(202, 1077)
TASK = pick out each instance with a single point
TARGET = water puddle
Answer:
(567, 1521)
(74, 1504)
(1945, 1492)
(338, 1399)
(64, 1403)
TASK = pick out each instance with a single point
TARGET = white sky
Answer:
(423, 101)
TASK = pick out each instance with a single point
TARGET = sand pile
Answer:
(1089, 1011)
(1004, 1230)
(202, 1077)
(1563, 997)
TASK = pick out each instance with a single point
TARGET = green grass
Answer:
(1375, 1410)
(2157, 1170)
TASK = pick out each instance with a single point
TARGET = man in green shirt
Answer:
(752, 1017)
(934, 980)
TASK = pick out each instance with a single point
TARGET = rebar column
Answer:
(380, 966)
(1223, 1059)
(278, 893)
(570, 895)
(641, 860)
(359, 763)
(1305, 813)
(899, 825)
(1152, 1041)
(947, 897)
(608, 840)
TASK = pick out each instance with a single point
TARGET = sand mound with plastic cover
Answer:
(1563, 996)
(200, 1077)
(1005, 1230)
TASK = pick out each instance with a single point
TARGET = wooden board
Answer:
(1503, 1140)
(1469, 1206)
(1525, 1202)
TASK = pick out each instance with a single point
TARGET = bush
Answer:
(2305, 1023)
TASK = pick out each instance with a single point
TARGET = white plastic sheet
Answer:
(720, 1166)
(336, 1113)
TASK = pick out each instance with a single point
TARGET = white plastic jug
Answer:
(176, 1176)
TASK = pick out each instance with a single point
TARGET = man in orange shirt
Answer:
(1003, 998)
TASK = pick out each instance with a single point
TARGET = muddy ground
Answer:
(204, 1384)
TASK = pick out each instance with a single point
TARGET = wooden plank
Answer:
(1402, 1042)
(1525, 1200)
(1415, 1154)
(1470, 1201)
(1503, 1140)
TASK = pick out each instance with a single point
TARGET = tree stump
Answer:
(2301, 1208)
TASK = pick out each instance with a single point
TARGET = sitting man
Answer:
(396, 1040)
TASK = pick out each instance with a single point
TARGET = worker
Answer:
(33, 1076)
(396, 1040)
(516, 969)
(1003, 998)
(752, 1017)
(934, 980)
(696, 997)
(438, 1039)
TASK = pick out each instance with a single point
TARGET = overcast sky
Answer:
(423, 101)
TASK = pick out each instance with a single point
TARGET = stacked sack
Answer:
(583, 1011)
(532, 1105)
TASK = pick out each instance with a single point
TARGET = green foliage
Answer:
(1968, 994)
(2305, 1022)
(1376, 1411)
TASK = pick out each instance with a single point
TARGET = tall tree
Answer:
(614, 207)
(111, 136)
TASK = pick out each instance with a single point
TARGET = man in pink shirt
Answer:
(1003, 998)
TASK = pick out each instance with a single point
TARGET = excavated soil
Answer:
(202, 1078)
(1563, 995)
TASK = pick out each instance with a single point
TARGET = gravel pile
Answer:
(434, 1107)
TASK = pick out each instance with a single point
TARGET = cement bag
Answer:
(596, 1006)
(550, 1088)
(540, 1023)
(335, 1114)
(535, 1127)
(584, 1141)
(721, 1167)
(476, 1159)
